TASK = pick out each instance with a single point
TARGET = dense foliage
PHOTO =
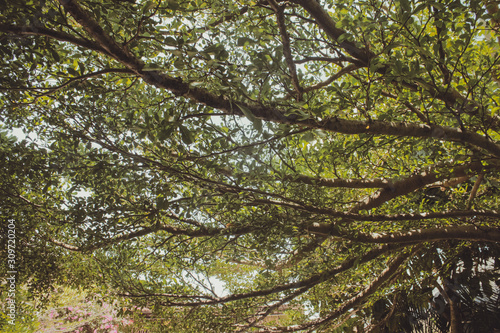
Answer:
(335, 159)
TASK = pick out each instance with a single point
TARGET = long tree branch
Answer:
(108, 46)
(427, 177)
(200, 95)
(339, 182)
(468, 232)
(201, 232)
(380, 217)
(413, 183)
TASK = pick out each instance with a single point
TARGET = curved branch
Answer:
(329, 27)
(386, 275)
(405, 130)
(391, 189)
(393, 185)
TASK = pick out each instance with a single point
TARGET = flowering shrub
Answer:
(76, 312)
(68, 310)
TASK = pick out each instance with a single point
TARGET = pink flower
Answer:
(127, 322)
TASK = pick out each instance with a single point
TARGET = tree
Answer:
(326, 155)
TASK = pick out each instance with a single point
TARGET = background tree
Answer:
(329, 155)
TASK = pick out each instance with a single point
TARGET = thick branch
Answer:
(455, 316)
(326, 23)
(420, 180)
(404, 129)
(413, 183)
(468, 233)
(101, 37)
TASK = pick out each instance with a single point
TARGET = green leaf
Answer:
(186, 135)
(246, 111)
(170, 41)
(72, 71)
(148, 5)
(405, 5)
(55, 55)
(81, 67)
(244, 41)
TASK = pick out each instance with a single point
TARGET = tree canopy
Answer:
(333, 158)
